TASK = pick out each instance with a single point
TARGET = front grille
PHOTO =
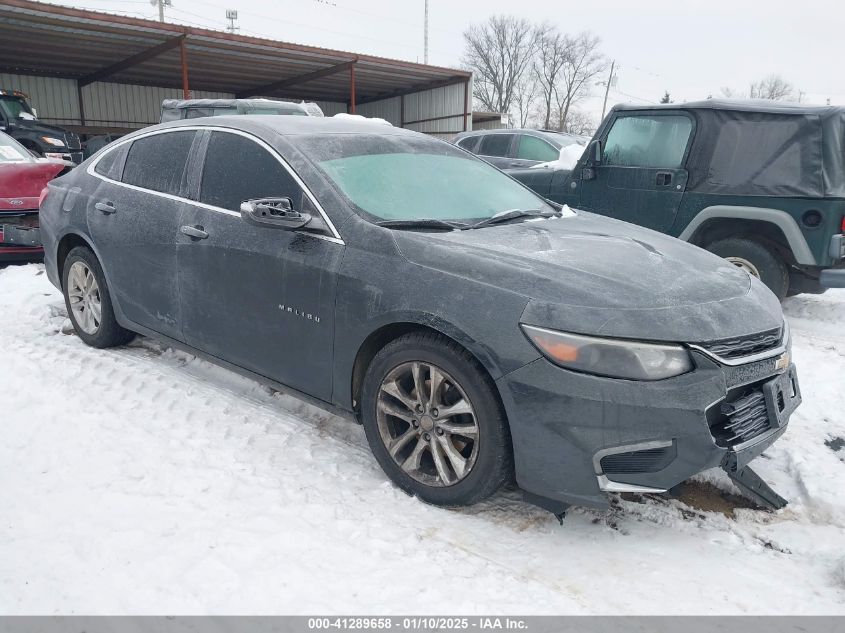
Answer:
(746, 345)
(741, 419)
(72, 141)
(649, 460)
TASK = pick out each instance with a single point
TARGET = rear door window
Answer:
(496, 145)
(158, 162)
(533, 148)
(238, 169)
(648, 141)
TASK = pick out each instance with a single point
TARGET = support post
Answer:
(183, 56)
(81, 103)
(466, 103)
(352, 89)
(402, 111)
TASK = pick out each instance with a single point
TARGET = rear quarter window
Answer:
(111, 164)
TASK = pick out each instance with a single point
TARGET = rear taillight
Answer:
(43, 196)
(842, 226)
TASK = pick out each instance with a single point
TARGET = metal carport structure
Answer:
(97, 72)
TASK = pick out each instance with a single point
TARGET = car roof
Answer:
(550, 135)
(737, 105)
(289, 125)
(178, 104)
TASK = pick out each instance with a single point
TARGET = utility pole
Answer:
(232, 16)
(161, 4)
(607, 88)
(425, 55)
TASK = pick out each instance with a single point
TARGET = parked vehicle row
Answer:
(759, 183)
(478, 331)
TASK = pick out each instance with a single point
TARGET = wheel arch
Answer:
(388, 332)
(66, 244)
(775, 226)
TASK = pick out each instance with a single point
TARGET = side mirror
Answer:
(594, 154)
(276, 212)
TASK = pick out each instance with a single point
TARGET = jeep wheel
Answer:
(757, 260)
(434, 423)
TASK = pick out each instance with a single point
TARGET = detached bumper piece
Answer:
(755, 488)
(13, 235)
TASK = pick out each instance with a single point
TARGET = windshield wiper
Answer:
(512, 214)
(422, 223)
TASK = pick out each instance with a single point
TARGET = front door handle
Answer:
(105, 207)
(664, 178)
(195, 232)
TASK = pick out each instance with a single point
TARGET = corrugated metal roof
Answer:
(56, 41)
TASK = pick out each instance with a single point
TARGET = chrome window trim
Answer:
(334, 237)
(753, 358)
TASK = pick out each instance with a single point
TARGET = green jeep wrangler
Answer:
(760, 183)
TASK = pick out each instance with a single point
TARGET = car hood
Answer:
(594, 275)
(21, 183)
(38, 127)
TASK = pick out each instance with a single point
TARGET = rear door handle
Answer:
(194, 231)
(105, 207)
(664, 178)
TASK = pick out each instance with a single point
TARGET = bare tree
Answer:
(498, 52)
(525, 98)
(553, 52)
(582, 65)
(773, 87)
(579, 122)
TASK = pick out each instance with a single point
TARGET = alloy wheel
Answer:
(84, 295)
(427, 424)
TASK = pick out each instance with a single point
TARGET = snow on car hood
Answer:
(595, 275)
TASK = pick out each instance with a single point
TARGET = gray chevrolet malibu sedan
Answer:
(479, 333)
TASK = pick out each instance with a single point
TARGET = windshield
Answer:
(276, 111)
(13, 152)
(412, 178)
(13, 107)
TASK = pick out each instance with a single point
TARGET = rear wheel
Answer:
(756, 259)
(88, 301)
(434, 422)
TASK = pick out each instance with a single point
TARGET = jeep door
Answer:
(641, 177)
(259, 296)
(133, 206)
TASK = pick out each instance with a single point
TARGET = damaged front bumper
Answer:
(578, 436)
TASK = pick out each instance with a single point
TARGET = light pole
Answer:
(425, 54)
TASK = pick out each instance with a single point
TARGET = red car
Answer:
(22, 179)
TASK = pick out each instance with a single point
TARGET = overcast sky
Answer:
(692, 48)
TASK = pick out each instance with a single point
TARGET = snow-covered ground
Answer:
(142, 480)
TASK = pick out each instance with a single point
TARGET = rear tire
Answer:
(88, 301)
(757, 259)
(450, 445)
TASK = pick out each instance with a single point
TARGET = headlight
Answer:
(55, 142)
(610, 357)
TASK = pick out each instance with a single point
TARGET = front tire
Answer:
(756, 259)
(88, 301)
(434, 422)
